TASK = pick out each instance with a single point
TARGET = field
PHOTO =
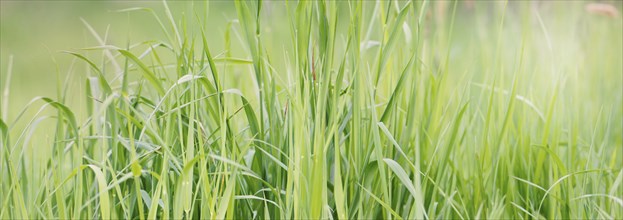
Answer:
(311, 110)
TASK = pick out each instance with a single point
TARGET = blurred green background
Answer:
(35, 32)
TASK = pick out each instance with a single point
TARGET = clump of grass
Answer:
(367, 110)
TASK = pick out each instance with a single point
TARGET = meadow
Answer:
(387, 109)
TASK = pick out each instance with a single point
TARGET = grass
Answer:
(329, 109)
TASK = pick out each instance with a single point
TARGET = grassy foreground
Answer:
(329, 109)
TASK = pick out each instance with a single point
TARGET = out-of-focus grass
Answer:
(35, 32)
(311, 109)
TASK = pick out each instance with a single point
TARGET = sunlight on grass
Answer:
(318, 110)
